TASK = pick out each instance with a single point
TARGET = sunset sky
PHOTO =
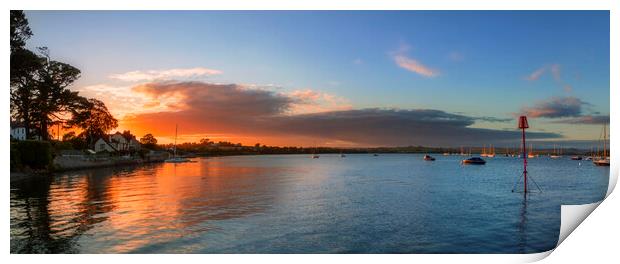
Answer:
(341, 78)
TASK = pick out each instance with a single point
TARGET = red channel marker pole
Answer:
(523, 125)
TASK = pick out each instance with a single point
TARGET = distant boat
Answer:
(491, 153)
(446, 153)
(603, 160)
(315, 156)
(174, 158)
(576, 158)
(474, 161)
(342, 155)
(375, 154)
(530, 154)
(555, 153)
(484, 151)
(428, 158)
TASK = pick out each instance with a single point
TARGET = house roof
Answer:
(107, 142)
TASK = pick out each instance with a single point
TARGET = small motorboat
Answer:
(576, 158)
(342, 155)
(474, 161)
(428, 158)
(375, 155)
(315, 156)
(555, 156)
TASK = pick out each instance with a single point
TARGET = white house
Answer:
(18, 132)
(117, 142)
(103, 145)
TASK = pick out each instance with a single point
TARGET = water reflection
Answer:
(142, 206)
(522, 226)
(294, 204)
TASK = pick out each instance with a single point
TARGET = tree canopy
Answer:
(93, 117)
(40, 94)
(148, 140)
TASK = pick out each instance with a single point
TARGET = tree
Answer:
(148, 141)
(204, 141)
(93, 117)
(24, 67)
(20, 31)
(76, 141)
(127, 134)
(53, 97)
(39, 93)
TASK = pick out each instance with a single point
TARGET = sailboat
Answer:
(314, 154)
(484, 151)
(491, 153)
(530, 153)
(555, 153)
(174, 158)
(604, 159)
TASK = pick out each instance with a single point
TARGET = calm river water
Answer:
(390, 203)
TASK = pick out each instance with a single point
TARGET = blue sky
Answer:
(480, 60)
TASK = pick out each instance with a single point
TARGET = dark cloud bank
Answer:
(233, 109)
(565, 110)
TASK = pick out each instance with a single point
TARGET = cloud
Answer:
(585, 120)
(216, 99)
(535, 75)
(310, 101)
(494, 119)
(358, 61)
(412, 65)
(151, 75)
(242, 112)
(119, 99)
(556, 107)
(556, 72)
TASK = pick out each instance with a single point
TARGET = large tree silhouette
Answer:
(93, 117)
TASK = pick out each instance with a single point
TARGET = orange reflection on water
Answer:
(136, 208)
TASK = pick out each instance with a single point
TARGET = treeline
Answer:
(208, 148)
(40, 98)
(205, 147)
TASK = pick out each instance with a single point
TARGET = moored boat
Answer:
(175, 158)
(576, 158)
(602, 160)
(474, 161)
(428, 158)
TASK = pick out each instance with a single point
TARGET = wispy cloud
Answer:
(535, 75)
(404, 61)
(151, 75)
(556, 72)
